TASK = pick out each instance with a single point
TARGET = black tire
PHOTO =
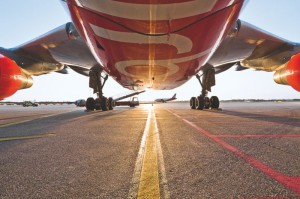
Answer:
(104, 104)
(206, 102)
(200, 103)
(97, 104)
(193, 102)
(214, 102)
(111, 103)
(90, 104)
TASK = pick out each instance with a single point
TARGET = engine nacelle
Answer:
(12, 77)
(290, 75)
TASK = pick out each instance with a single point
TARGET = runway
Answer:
(245, 150)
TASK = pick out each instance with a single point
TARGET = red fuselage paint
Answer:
(156, 44)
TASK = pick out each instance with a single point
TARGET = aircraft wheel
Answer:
(214, 102)
(104, 104)
(90, 104)
(111, 103)
(200, 103)
(97, 104)
(206, 102)
(193, 103)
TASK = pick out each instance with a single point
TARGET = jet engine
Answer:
(12, 77)
(290, 74)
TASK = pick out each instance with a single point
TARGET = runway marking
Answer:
(292, 183)
(138, 165)
(253, 122)
(23, 121)
(259, 136)
(149, 181)
(74, 119)
(145, 182)
(164, 182)
(9, 118)
(13, 123)
(271, 197)
(26, 137)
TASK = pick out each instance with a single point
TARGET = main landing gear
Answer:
(97, 82)
(203, 102)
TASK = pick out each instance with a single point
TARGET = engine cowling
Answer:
(12, 77)
(290, 75)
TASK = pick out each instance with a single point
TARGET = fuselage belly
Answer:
(156, 44)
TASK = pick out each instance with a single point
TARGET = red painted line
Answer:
(252, 122)
(272, 197)
(259, 136)
(293, 183)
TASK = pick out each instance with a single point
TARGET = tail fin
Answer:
(174, 96)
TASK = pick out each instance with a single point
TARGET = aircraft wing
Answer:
(247, 46)
(54, 51)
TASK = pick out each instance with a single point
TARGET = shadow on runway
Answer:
(285, 120)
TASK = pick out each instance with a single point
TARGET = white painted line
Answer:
(164, 182)
(133, 192)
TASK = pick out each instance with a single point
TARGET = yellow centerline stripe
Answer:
(12, 123)
(23, 121)
(149, 181)
(161, 164)
(149, 177)
(133, 192)
(26, 137)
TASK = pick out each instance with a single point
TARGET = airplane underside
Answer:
(159, 46)
(157, 50)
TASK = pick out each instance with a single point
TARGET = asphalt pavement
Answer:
(246, 150)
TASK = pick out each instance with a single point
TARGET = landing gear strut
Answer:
(203, 102)
(97, 82)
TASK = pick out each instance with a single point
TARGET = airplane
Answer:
(151, 45)
(164, 100)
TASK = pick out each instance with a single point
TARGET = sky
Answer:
(22, 21)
